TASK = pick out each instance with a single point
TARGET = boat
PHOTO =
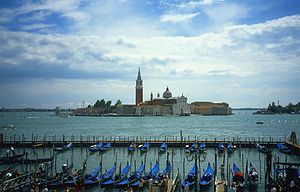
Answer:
(92, 178)
(207, 176)
(64, 148)
(187, 149)
(238, 177)
(165, 172)
(8, 126)
(95, 147)
(202, 147)
(134, 178)
(105, 147)
(118, 178)
(230, 148)
(37, 160)
(189, 180)
(153, 172)
(163, 148)
(259, 122)
(14, 158)
(283, 148)
(221, 147)
(145, 147)
(37, 145)
(131, 147)
(193, 148)
(262, 148)
(108, 174)
(252, 175)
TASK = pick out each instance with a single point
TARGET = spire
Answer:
(139, 75)
(151, 96)
(167, 88)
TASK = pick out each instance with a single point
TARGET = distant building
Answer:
(167, 105)
(209, 108)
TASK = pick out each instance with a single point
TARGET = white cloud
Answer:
(177, 18)
(196, 4)
(36, 26)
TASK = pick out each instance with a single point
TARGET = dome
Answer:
(167, 94)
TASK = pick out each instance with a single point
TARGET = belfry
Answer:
(139, 89)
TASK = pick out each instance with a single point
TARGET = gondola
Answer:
(202, 147)
(262, 148)
(134, 178)
(108, 174)
(283, 148)
(37, 160)
(207, 176)
(105, 147)
(131, 147)
(165, 172)
(64, 148)
(145, 147)
(92, 178)
(95, 147)
(221, 148)
(193, 148)
(153, 172)
(238, 177)
(230, 148)
(118, 178)
(163, 147)
(189, 180)
(58, 180)
(252, 175)
(14, 158)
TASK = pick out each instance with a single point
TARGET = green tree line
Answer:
(290, 108)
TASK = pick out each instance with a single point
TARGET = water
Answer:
(242, 124)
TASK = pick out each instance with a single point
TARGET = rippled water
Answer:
(242, 124)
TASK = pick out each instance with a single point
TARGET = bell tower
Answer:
(139, 88)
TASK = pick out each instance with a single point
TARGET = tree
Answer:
(119, 102)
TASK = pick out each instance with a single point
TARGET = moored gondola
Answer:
(145, 147)
(238, 177)
(207, 176)
(283, 148)
(230, 148)
(221, 148)
(134, 178)
(163, 147)
(118, 178)
(262, 148)
(202, 147)
(63, 148)
(189, 180)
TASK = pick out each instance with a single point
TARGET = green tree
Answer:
(119, 102)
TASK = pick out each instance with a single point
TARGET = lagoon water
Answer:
(242, 124)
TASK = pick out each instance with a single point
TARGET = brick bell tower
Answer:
(139, 89)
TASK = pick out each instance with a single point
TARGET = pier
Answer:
(118, 141)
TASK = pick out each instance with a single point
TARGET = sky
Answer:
(63, 53)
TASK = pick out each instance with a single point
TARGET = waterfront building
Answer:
(210, 108)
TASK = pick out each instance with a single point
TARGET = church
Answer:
(165, 105)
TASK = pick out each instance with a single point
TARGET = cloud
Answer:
(196, 4)
(36, 26)
(177, 18)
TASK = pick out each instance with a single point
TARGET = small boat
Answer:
(108, 174)
(189, 180)
(64, 148)
(38, 160)
(95, 147)
(193, 148)
(105, 147)
(37, 145)
(252, 175)
(202, 147)
(134, 178)
(8, 126)
(262, 148)
(165, 172)
(131, 147)
(221, 147)
(187, 149)
(230, 148)
(207, 176)
(283, 148)
(238, 177)
(153, 172)
(163, 147)
(14, 158)
(92, 178)
(145, 147)
(118, 178)
(259, 122)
